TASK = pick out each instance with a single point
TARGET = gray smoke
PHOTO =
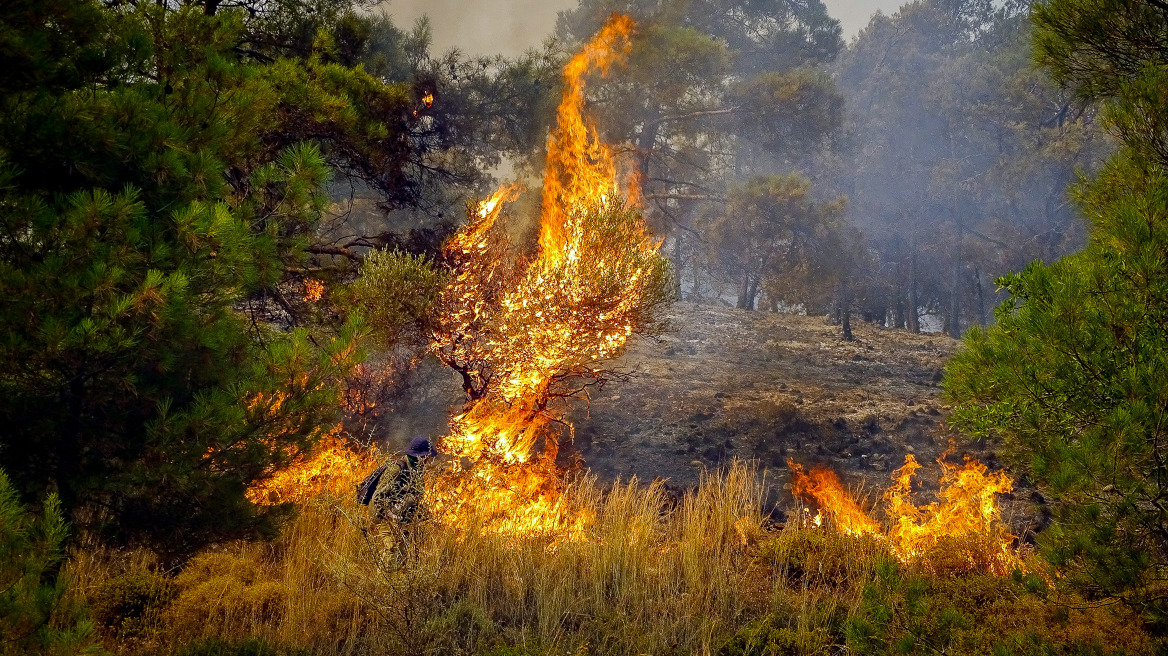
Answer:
(508, 27)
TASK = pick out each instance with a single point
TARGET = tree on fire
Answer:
(163, 168)
(1075, 375)
(715, 92)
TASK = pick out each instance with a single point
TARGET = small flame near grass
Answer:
(965, 523)
(334, 467)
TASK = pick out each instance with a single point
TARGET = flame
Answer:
(313, 290)
(580, 170)
(965, 519)
(823, 486)
(333, 467)
(428, 100)
(518, 334)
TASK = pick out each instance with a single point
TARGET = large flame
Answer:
(966, 517)
(522, 335)
(823, 486)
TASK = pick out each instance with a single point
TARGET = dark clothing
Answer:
(367, 487)
(399, 492)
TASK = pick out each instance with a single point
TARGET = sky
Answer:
(482, 27)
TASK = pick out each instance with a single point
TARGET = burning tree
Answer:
(525, 333)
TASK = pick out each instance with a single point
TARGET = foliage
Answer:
(396, 293)
(146, 198)
(1072, 378)
(957, 156)
(906, 613)
(244, 647)
(36, 617)
(131, 605)
(714, 92)
(775, 237)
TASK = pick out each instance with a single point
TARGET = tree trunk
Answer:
(981, 308)
(678, 265)
(845, 300)
(953, 321)
(914, 305)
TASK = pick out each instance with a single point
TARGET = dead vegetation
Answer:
(705, 574)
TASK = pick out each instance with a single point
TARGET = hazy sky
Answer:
(511, 26)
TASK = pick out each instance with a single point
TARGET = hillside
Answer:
(724, 383)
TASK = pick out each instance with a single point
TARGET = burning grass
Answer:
(963, 530)
(650, 574)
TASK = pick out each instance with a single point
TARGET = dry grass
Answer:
(653, 575)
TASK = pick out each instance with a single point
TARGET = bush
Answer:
(821, 558)
(227, 593)
(132, 605)
(903, 613)
(35, 615)
(764, 638)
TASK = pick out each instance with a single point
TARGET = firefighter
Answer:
(397, 492)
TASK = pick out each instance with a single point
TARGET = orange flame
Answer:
(966, 514)
(333, 467)
(822, 486)
(527, 330)
(580, 168)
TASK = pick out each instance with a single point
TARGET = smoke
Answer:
(483, 27)
(508, 27)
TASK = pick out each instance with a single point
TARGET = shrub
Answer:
(905, 613)
(132, 605)
(764, 638)
(226, 593)
(821, 558)
(35, 615)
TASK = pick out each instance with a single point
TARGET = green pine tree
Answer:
(1074, 377)
(35, 617)
(161, 169)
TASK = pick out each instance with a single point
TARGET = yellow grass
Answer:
(651, 575)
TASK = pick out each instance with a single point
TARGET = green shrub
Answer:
(461, 628)
(36, 617)
(764, 638)
(905, 613)
(132, 605)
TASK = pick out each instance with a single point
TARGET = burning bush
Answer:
(525, 334)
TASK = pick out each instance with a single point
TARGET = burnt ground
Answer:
(726, 383)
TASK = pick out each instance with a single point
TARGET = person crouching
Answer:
(397, 495)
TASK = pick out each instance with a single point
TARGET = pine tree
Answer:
(1074, 377)
(157, 170)
(35, 617)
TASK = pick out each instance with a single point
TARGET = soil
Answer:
(724, 383)
(727, 383)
